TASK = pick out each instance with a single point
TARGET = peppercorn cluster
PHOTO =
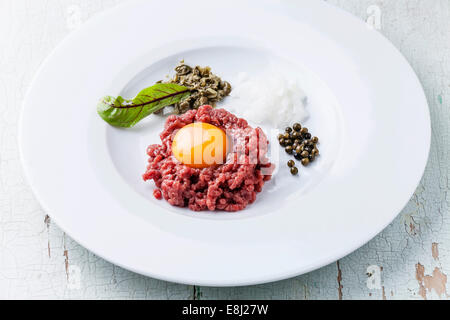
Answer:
(298, 142)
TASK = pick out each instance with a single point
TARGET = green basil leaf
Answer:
(120, 112)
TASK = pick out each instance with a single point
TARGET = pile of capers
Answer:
(298, 142)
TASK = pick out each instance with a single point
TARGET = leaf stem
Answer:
(148, 102)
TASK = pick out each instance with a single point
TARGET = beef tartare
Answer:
(228, 186)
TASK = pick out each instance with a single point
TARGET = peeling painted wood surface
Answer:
(408, 260)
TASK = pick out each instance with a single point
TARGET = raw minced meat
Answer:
(230, 186)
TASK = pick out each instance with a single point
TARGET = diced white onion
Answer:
(268, 99)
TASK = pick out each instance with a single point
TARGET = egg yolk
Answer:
(200, 145)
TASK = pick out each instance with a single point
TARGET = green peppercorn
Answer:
(291, 163)
(305, 161)
(296, 135)
(294, 171)
(297, 126)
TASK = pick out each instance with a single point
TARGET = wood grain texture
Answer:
(408, 260)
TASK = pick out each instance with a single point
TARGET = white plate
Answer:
(366, 105)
